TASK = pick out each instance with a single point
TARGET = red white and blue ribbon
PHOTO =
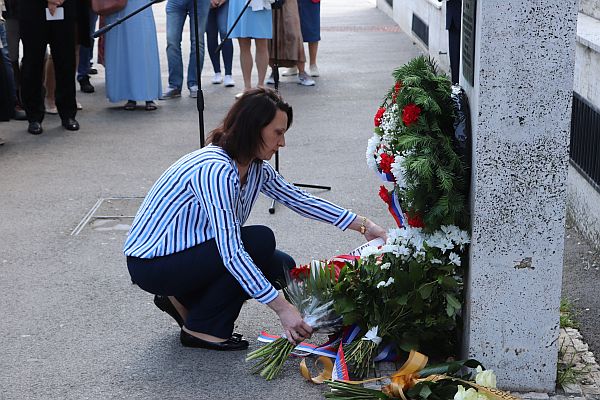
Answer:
(304, 349)
(395, 209)
(340, 368)
(387, 176)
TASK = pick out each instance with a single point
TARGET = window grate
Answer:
(420, 29)
(585, 140)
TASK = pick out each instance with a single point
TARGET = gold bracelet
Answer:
(363, 226)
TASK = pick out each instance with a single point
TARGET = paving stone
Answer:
(580, 346)
(534, 396)
(571, 388)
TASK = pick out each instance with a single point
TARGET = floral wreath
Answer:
(412, 147)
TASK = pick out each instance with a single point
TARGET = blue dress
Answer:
(252, 24)
(131, 56)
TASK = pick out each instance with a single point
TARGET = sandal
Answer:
(130, 105)
(150, 106)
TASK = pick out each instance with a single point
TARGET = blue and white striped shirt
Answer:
(200, 198)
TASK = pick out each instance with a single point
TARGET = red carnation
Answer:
(397, 88)
(386, 163)
(384, 194)
(300, 272)
(415, 221)
(410, 114)
(378, 116)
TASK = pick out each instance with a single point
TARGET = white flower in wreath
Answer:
(385, 283)
(417, 242)
(388, 248)
(485, 378)
(372, 145)
(454, 258)
(435, 261)
(440, 241)
(420, 256)
(462, 394)
(398, 171)
(389, 122)
(371, 335)
(385, 266)
(369, 251)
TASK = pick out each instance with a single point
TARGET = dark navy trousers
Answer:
(199, 280)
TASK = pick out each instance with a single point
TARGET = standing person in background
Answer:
(58, 30)
(86, 50)
(286, 48)
(11, 49)
(131, 58)
(453, 16)
(217, 26)
(310, 24)
(177, 11)
(255, 23)
(8, 93)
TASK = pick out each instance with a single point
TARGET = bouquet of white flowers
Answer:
(310, 289)
(405, 292)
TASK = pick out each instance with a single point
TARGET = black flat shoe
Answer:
(164, 304)
(35, 128)
(235, 342)
(70, 124)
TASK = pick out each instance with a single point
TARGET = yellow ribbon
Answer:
(325, 374)
(403, 379)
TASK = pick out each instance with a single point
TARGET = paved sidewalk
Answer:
(73, 326)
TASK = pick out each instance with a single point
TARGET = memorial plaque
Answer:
(468, 40)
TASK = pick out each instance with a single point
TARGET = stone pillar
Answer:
(520, 98)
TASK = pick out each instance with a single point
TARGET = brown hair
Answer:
(240, 132)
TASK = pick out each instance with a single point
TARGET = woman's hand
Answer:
(295, 329)
(368, 228)
(374, 231)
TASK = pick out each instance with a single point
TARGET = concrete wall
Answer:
(583, 199)
(590, 7)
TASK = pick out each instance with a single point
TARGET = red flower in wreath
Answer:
(397, 88)
(378, 116)
(410, 114)
(415, 220)
(386, 163)
(384, 194)
(300, 272)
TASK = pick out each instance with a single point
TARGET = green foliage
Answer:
(567, 315)
(410, 291)
(435, 174)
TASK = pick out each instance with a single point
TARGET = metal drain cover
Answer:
(110, 214)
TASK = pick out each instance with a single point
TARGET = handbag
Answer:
(107, 7)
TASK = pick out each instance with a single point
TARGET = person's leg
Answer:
(227, 49)
(62, 45)
(313, 48)
(212, 40)
(50, 86)
(246, 61)
(262, 59)
(83, 66)
(201, 284)
(203, 7)
(176, 14)
(34, 45)
(93, 21)
(13, 37)
(12, 91)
